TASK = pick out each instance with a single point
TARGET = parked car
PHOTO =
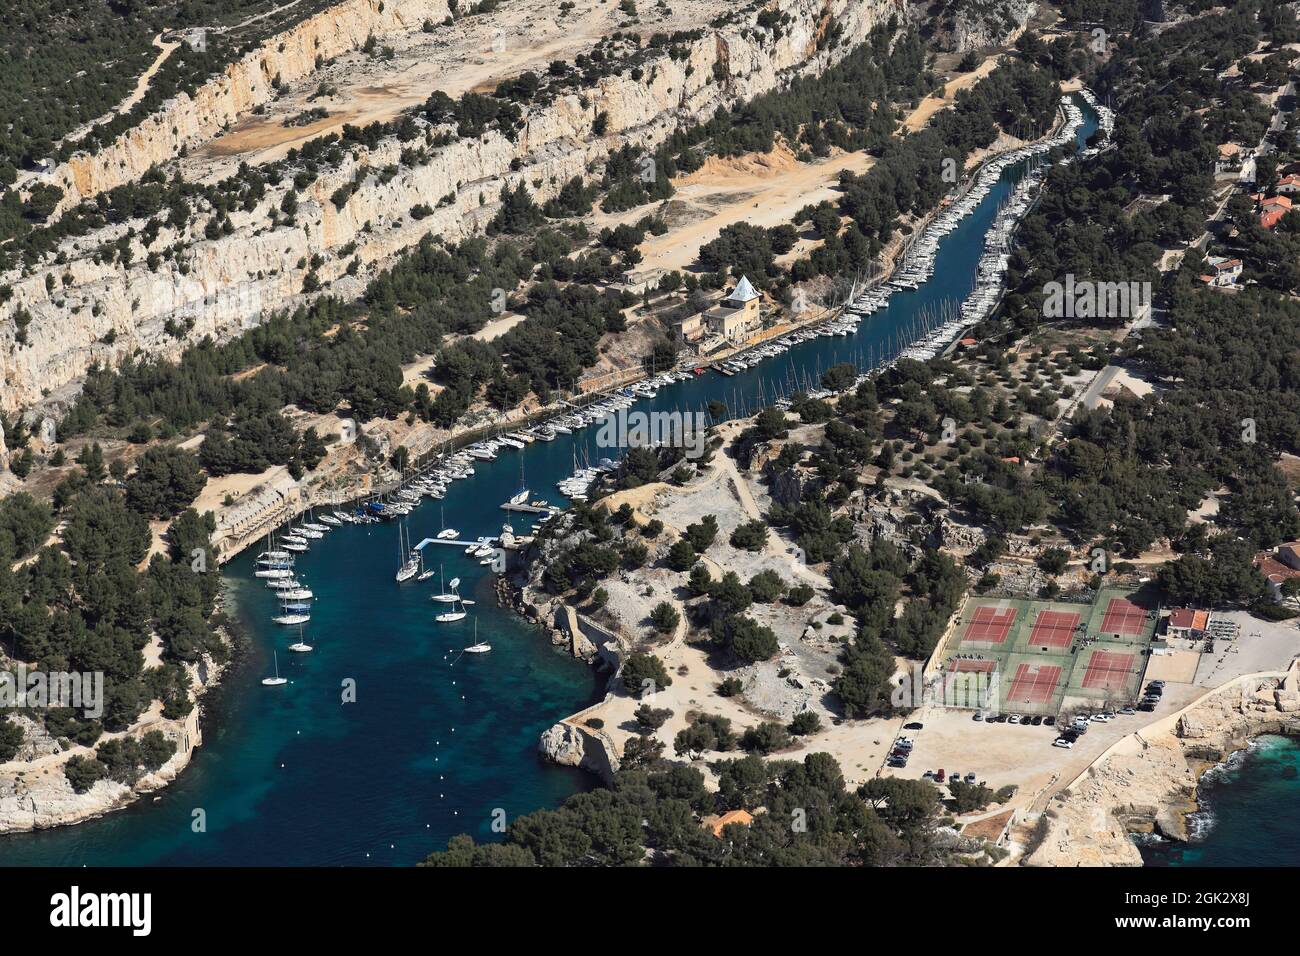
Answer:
(1037, 720)
(1049, 720)
(1127, 711)
(1156, 683)
(928, 775)
(1001, 718)
(914, 725)
(1146, 706)
(1013, 719)
(977, 716)
(896, 762)
(970, 778)
(1100, 718)
(1063, 742)
(939, 774)
(906, 743)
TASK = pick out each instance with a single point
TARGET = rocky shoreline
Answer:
(570, 742)
(1147, 782)
(35, 793)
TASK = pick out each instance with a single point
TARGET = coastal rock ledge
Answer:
(568, 745)
(36, 795)
(1146, 782)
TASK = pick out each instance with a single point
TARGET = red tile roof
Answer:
(731, 816)
(1186, 618)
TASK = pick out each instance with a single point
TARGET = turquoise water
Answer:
(292, 775)
(1249, 809)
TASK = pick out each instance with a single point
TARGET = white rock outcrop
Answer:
(90, 312)
(36, 795)
(1148, 782)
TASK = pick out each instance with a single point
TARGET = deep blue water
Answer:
(1249, 809)
(291, 775)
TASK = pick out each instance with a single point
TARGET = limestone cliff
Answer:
(35, 793)
(1147, 782)
(980, 24)
(187, 121)
(569, 745)
(88, 312)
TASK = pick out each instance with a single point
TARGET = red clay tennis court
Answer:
(965, 666)
(1054, 629)
(1108, 670)
(1123, 617)
(990, 624)
(1033, 684)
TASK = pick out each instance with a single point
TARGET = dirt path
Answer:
(933, 104)
(165, 47)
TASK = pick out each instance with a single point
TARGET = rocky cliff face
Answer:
(570, 746)
(1148, 783)
(187, 121)
(104, 313)
(983, 23)
(35, 793)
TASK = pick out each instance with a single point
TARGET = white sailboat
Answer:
(446, 532)
(300, 646)
(447, 617)
(277, 680)
(411, 563)
(425, 573)
(448, 597)
(478, 647)
(521, 496)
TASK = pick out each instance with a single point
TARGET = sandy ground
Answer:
(806, 655)
(165, 49)
(763, 190)
(498, 327)
(1175, 667)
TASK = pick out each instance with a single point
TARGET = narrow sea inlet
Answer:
(435, 743)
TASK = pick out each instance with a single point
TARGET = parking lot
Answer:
(1002, 754)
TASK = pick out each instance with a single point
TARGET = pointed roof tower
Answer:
(743, 292)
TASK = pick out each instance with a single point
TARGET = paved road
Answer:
(1092, 395)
